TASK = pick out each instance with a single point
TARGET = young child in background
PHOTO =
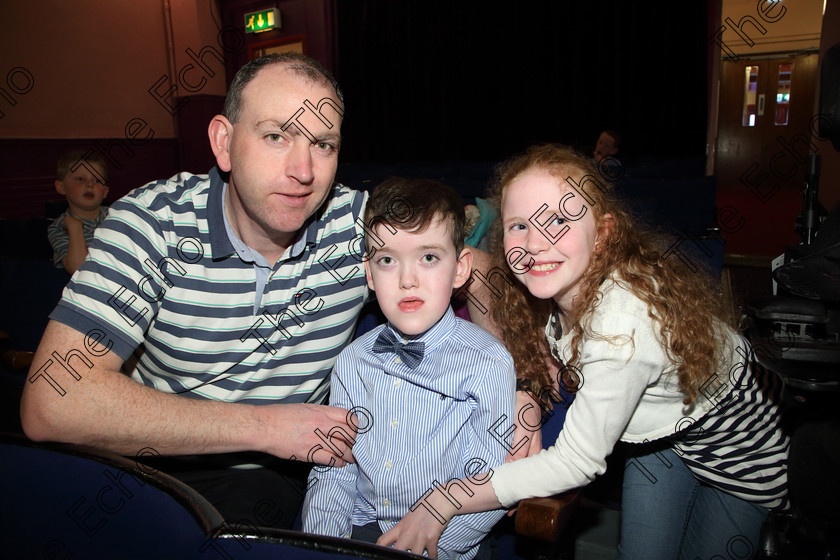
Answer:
(608, 143)
(81, 178)
(659, 364)
(430, 390)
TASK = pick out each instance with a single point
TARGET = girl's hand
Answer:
(420, 529)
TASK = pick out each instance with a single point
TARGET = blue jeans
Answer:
(667, 514)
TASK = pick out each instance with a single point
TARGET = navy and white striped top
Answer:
(164, 283)
(739, 446)
(445, 420)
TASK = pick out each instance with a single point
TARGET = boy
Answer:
(428, 409)
(81, 178)
(607, 144)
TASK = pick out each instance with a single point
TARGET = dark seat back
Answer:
(68, 501)
(63, 499)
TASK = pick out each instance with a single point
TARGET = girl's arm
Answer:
(614, 377)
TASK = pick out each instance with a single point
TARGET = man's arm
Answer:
(101, 407)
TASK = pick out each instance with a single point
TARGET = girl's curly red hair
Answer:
(686, 305)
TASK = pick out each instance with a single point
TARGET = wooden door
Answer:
(764, 104)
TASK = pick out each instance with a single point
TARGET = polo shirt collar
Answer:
(220, 242)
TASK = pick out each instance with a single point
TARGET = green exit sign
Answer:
(265, 20)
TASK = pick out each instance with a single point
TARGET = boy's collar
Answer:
(436, 334)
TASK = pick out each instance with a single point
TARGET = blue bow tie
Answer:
(411, 353)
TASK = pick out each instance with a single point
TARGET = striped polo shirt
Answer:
(165, 286)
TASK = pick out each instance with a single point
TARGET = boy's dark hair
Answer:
(298, 63)
(71, 161)
(412, 204)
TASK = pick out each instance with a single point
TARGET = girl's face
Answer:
(549, 235)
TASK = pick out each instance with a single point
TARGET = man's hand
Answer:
(528, 423)
(308, 432)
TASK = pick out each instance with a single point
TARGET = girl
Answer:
(658, 364)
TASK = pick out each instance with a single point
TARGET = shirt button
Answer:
(397, 382)
(388, 465)
(386, 502)
(398, 360)
(395, 423)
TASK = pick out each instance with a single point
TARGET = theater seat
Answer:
(260, 543)
(67, 501)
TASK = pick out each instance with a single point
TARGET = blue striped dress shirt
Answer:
(444, 420)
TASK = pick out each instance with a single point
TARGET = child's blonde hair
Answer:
(686, 305)
(71, 160)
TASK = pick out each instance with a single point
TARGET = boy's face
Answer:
(83, 190)
(414, 274)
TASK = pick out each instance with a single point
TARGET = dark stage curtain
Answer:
(476, 80)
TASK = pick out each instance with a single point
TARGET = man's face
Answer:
(605, 146)
(279, 178)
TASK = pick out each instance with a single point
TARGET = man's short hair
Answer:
(296, 62)
(413, 204)
(71, 161)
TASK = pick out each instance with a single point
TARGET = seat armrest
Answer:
(544, 518)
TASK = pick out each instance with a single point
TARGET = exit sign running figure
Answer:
(265, 20)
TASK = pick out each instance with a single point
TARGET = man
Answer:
(218, 291)
(226, 298)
